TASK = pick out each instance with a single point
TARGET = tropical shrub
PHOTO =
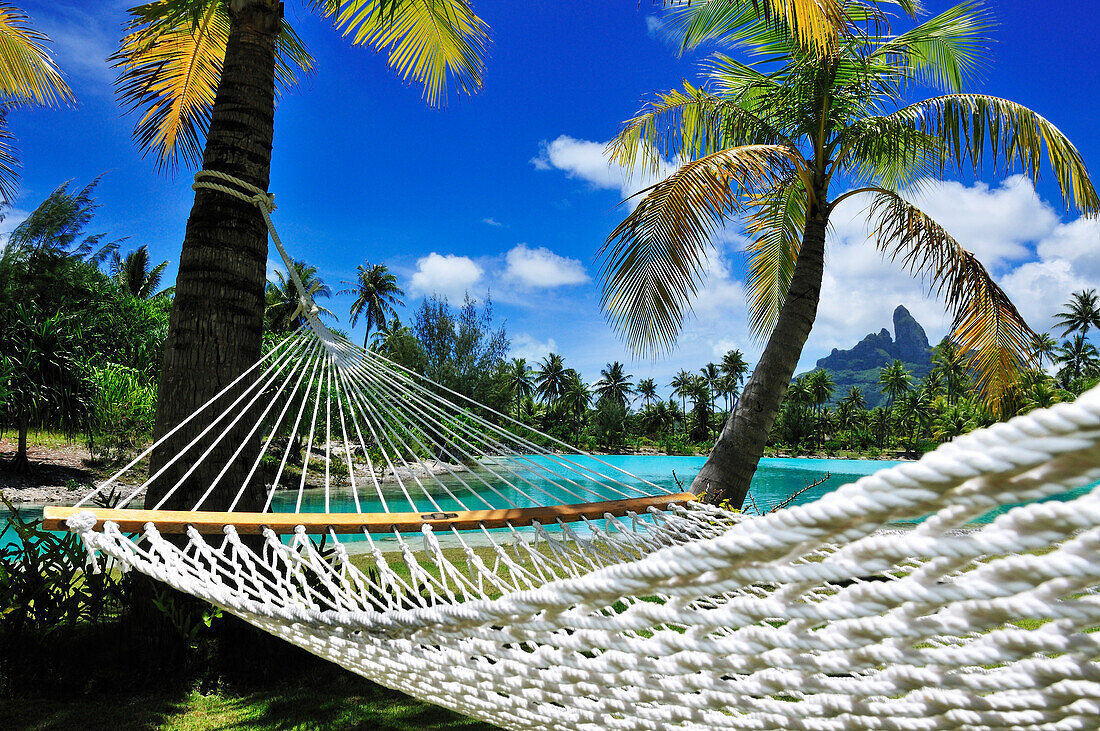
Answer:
(122, 412)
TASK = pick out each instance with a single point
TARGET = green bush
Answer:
(123, 409)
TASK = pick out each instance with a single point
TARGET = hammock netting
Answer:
(440, 548)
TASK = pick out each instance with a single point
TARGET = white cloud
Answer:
(449, 275)
(83, 38)
(527, 346)
(540, 267)
(491, 222)
(586, 160)
(653, 25)
(12, 218)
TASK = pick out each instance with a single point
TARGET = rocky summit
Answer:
(860, 365)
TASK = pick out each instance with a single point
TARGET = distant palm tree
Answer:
(133, 274)
(647, 389)
(614, 384)
(894, 380)
(799, 393)
(916, 408)
(681, 384)
(575, 399)
(283, 306)
(518, 382)
(951, 364)
(1081, 313)
(376, 294)
(27, 76)
(711, 374)
(821, 387)
(1043, 346)
(734, 366)
(854, 399)
(1079, 357)
(551, 379)
(388, 333)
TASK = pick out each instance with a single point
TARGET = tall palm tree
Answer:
(894, 380)
(201, 77)
(575, 399)
(283, 307)
(734, 366)
(950, 363)
(767, 140)
(615, 384)
(647, 389)
(1043, 347)
(822, 387)
(519, 383)
(134, 275)
(27, 76)
(681, 384)
(1078, 357)
(711, 374)
(376, 294)
(551, 379)
(1081, 313)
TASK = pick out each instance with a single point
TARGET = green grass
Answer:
(347, 706)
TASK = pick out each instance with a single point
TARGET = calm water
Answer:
(775, 480)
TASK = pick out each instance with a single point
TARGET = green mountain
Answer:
(860, 365)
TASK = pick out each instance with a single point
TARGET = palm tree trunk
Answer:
(729, 469)
(216, 325)
(21, 463)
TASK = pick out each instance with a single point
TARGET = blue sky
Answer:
(507, 190)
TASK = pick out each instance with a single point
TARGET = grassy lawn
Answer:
(343, 706)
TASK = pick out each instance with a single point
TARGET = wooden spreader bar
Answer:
(177, 521)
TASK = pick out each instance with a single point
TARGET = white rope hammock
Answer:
(547, 588)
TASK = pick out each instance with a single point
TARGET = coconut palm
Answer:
(767, 141)
(134, 275)
(519, 382)
(615, 384)
(388, 333)
(894, 380)
(1081, 313)
(551, 379)
(27, 76)
(734, 366)
(575, 399)
(681, 384)
(822, 387)
(711, 374)
(950, 363)
(1043, 347)
(376, 295)
(647, 389)
(1078, 357)
(283, 307)
(917, 410)
(201, 77)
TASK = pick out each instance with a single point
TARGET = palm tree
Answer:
(854, 399)
(1078, 358)
(1081, 313)
(711, 374)
(551, 379)
(950, 363)
(575, 399)
(1043, 346)
(518, 382)
(766, 140)
(614, 384)
(282, 306)
(734, 366)
(134, 275)
(916, 408)
(821, 387)
(647, 389)
(201, 78)
(376, 294)
(27, 76)
(894, 380)
(681, 384)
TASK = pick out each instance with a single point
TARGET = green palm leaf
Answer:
(969, 125)
(655, 260)
(987, 325)
(27, 73)
(816, 24)
(429, 41)
(776, 222)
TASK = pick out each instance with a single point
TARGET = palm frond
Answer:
(653, 263)
(688, 124)
(969, 125)
(891, 153)
(987, 326)
(170, 64)
(816, 24)
(27, 73)
(429, 41)
(946, 51)
(9, 161)
(776, 224)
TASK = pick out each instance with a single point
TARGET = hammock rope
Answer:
(595, 599)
